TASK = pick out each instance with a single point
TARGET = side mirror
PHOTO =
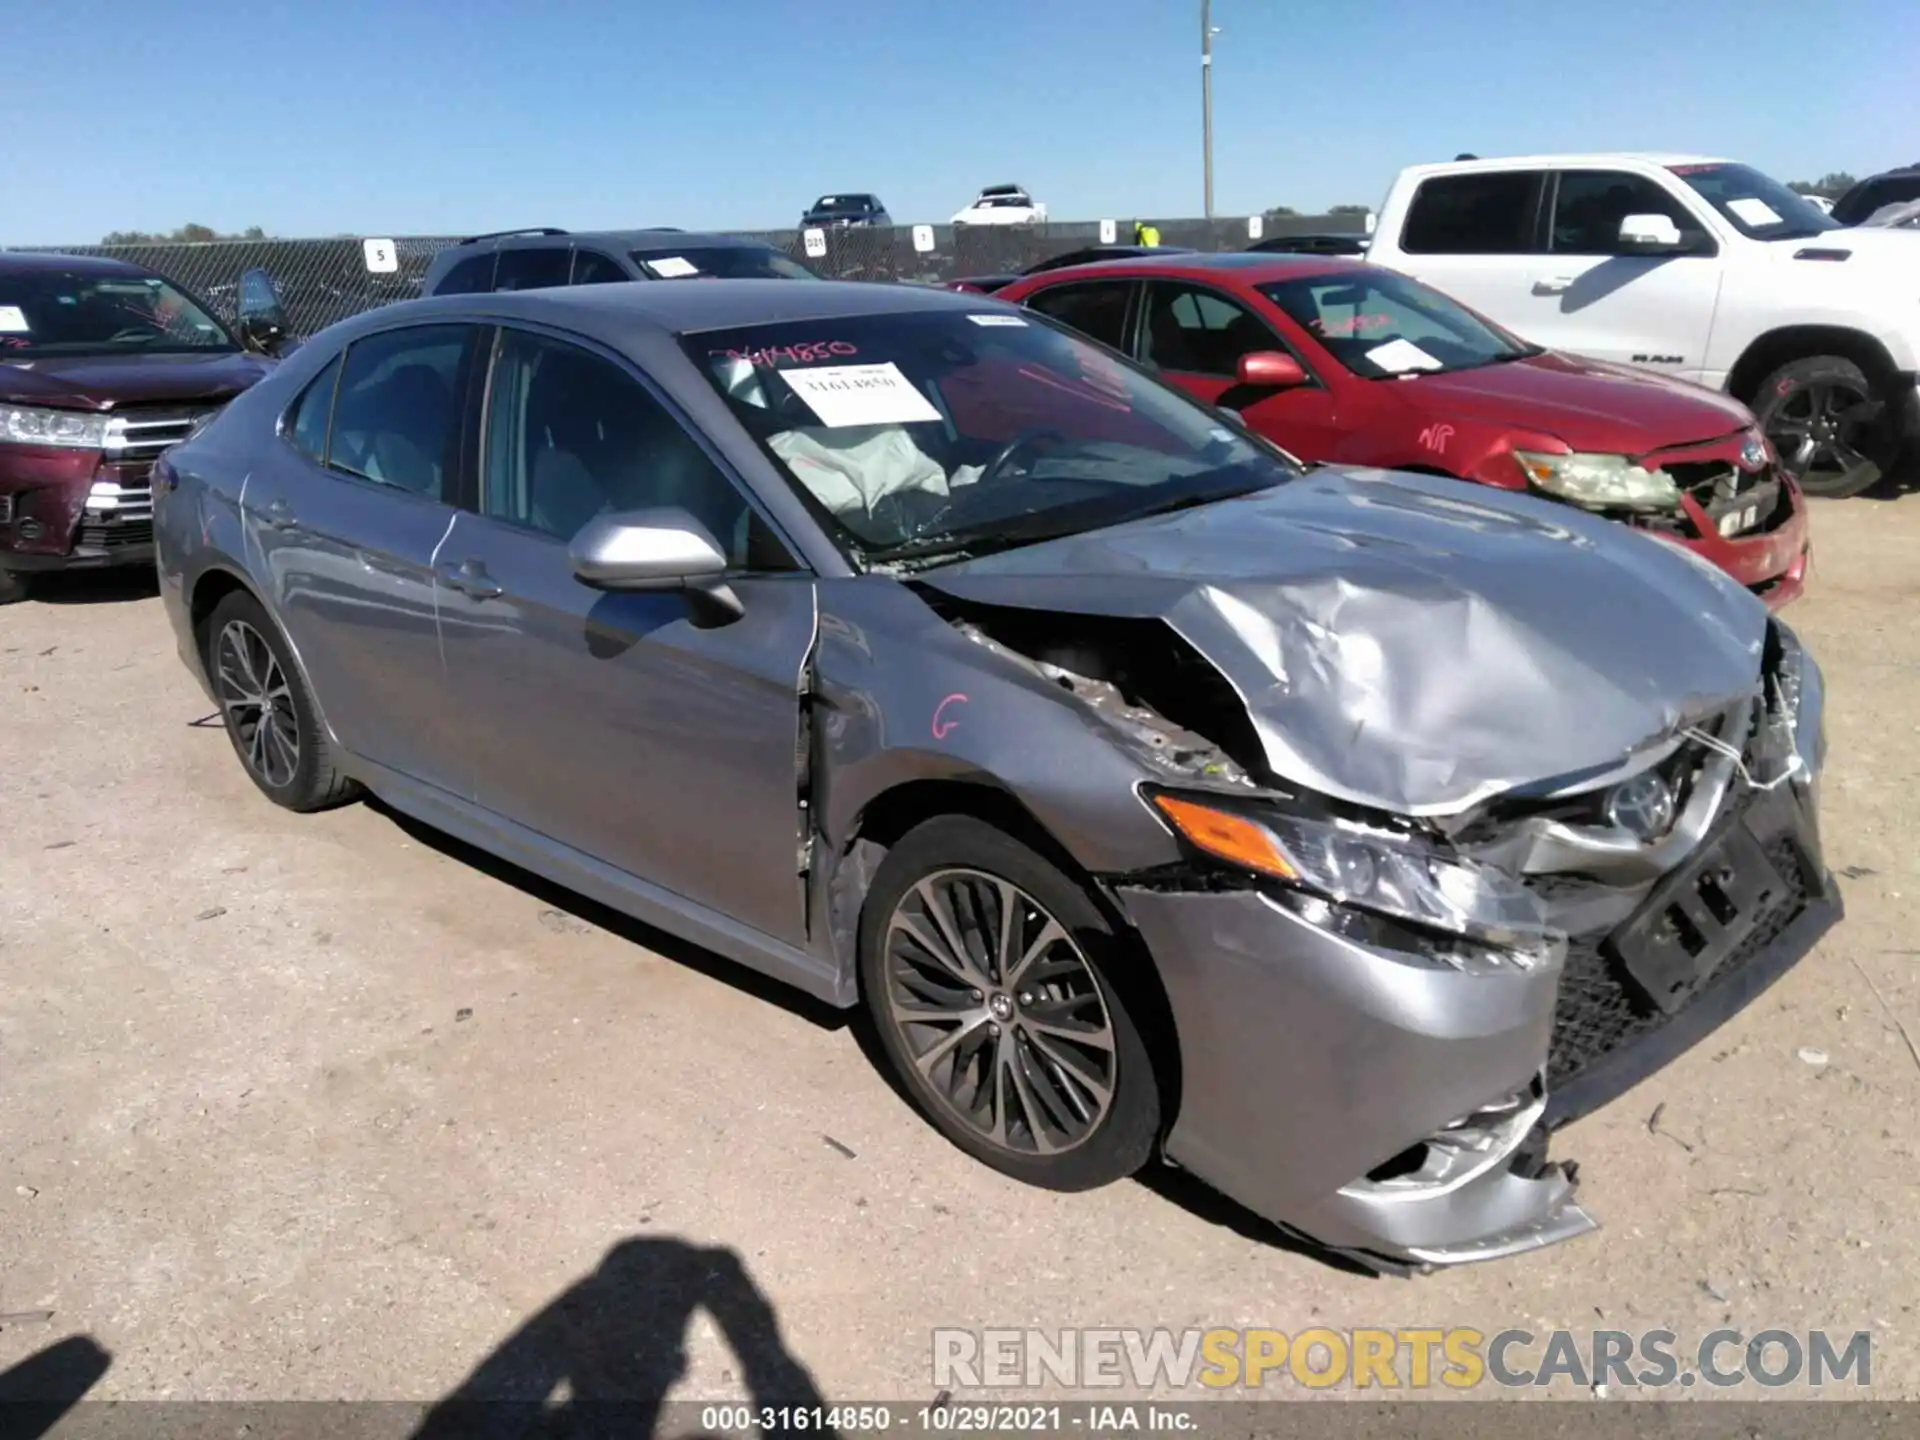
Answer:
(1651, 233)
(1271, 370)
(664, 549)
(263, 319)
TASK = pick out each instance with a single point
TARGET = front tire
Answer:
(270, 715)
(1821, 415)
(989, 975)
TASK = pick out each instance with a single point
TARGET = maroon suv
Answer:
(102, 366)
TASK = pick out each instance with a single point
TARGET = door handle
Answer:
(470, 578)
(1553, 285)
(279, 516)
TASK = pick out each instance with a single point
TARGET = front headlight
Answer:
(65, 429)
(1600, 480)
(1350, 864)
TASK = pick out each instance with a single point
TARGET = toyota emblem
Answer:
(1642, 806)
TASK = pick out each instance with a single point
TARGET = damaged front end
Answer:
(1384, 1012)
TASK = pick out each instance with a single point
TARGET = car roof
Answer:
(1591, 160)
(690, 308)
(81, 264)
(653, 240)
(1247, 266)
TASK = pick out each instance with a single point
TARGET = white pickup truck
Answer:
(1695, 267)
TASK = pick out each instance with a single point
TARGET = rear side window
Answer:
(1097, 310)
(536, 269)
(472, 276)
(396, 418)
(1482, 214)
(590, 267)
(307, 425)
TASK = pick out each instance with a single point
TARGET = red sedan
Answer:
(1341, 361)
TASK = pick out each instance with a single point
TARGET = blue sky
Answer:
(405, 117)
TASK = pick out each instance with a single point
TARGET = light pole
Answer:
(1206, 98)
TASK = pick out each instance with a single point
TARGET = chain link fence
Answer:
(323, 281)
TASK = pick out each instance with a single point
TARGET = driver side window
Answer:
(571, 434)
(1200, 332)
(1589, 205)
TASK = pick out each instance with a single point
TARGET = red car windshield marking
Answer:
(1353, 325)
(1086, 391)
(804, 353)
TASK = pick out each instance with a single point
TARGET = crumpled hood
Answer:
(1590, 404)
(1412, 643)
(100, 382)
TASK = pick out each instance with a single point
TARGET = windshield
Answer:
(836, 204)
(66, 312)
(721, 262)
(1002, 202)
(930, 434)
(1380, 325)
(1756, 205)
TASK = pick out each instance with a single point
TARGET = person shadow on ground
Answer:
(35, 1393)
(617, 1341)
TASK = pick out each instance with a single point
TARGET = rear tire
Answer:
(1020, 1050)
(269, 713)
(1823, 419)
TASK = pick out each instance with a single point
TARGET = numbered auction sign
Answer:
(1109, 232)
(816, 243)
(1254, 226)
(382, 257)
(923, 238)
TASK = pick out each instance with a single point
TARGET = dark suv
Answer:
(102, 366)
(542, 258)
(839, 212)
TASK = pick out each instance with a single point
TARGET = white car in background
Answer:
(1002, 205)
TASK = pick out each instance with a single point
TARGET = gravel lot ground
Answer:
(316, 1107)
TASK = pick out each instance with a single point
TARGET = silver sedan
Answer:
(1335, 835)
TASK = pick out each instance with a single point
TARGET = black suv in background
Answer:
(537, 259)
(838, 212)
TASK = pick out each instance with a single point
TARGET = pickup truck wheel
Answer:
(1821, 415)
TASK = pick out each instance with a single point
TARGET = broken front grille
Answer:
(1599, 1010)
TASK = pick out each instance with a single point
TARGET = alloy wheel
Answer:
(1816, 431)
(258, 703)
(1000, 1012)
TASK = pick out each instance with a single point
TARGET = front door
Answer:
(625, 726)
(1591, 298)
(1194, 335)
(347, 516)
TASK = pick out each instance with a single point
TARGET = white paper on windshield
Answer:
(1754, 212)
(860, 395)
(673, 267)
(13, 321)
(1399, 356)
(996, 320)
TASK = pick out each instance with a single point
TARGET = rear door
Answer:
(623, 725)
(1477, 236)
(346, 518)
(1194, 335)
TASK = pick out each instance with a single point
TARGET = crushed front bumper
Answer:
(1309, 1061)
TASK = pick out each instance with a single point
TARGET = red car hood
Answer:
(1589, 404)
(102, 382)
